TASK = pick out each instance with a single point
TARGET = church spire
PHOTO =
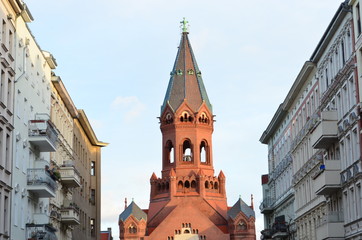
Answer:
(186, 82)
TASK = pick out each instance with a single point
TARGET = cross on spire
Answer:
(184, 25)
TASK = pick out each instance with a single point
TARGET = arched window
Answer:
(216, 185)
(186, 231)
(203, 155)
(241, 226)
(186, 117)
(187, 153)
(180, 185)
(168, 118)
(193, 184)
(132, 229)
(211, 185)
(206, 184)
(170, 152)
(187, 184)
(159, 187)
(203, 118)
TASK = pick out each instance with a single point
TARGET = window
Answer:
(93, 168)
(3, 33)
(327, 80)
(93, 196)
(10, 41)
(92, 227)
(2, 86)
(132, 229)
(16, 208)
(358, 19)
(241, 226)
(343, 53)
(203, 155)
(7, 153)
(187, 153)
(9, 102)
(170, 155)
(6, 209)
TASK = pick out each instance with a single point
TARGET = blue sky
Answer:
(115, 57)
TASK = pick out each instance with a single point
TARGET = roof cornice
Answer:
(338, 17)
(82, 117)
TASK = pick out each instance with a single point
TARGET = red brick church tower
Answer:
(187, 202)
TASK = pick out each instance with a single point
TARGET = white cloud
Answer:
(131, 107)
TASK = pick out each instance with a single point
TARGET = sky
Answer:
(115, 56)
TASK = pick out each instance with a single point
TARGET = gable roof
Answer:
(135, 210)
(241, 206)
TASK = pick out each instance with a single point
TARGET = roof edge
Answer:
(341, 12)
(88, 129)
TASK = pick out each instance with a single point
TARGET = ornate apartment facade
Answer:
(314, 144)
(7, 79)
(49, 155)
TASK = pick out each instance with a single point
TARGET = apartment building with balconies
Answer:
(51, 180)
(87, 156)
(64, 212)
(351, 176)
(285, 139)
(34, 178)
(322, 106)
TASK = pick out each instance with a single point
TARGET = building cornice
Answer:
(62, 91)
(288, 101)
(82, 117)
(333, 26)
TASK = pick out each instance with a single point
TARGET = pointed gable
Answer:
(241, 206)
(185, 82)
(135, 210)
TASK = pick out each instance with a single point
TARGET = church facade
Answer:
(187, 201)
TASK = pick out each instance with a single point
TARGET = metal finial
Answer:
(184, 25)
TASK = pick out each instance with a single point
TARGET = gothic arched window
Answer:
(193, 184)
(203, 152)
(241, 226)
(169, 149)
(187, 152)
(132, 229)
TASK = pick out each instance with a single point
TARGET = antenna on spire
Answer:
(125, 203)
(184, 26)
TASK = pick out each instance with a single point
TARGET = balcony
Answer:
(328, 180)
(42, 134)
(69, 175)
(267, 205)
(40, 183)
(41, 218)
(331, 226)
(326, 131)
(70, 215)
(40, 231)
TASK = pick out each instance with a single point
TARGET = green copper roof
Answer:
(186, 80)
(134, 210)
